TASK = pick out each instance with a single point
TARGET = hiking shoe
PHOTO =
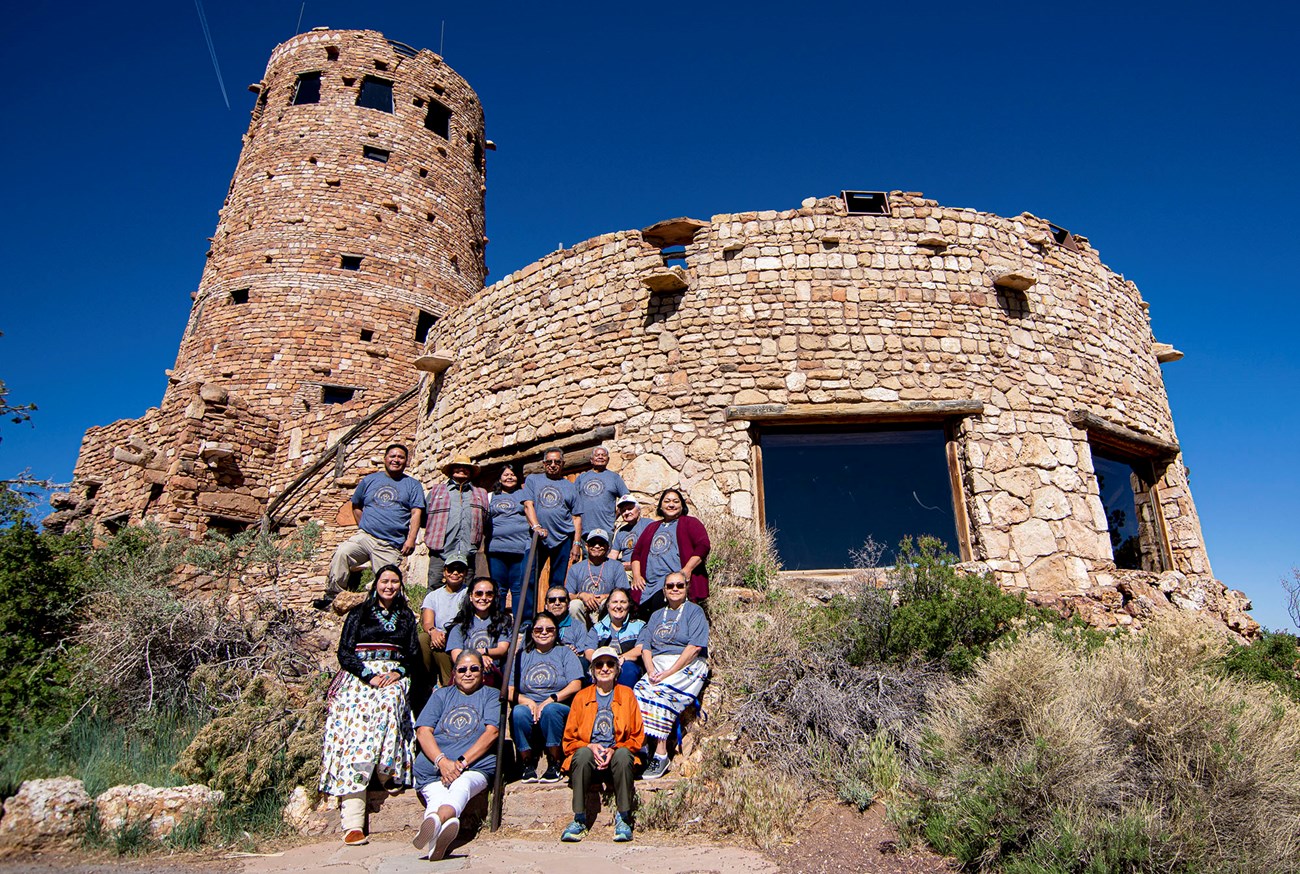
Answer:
(528, 774)
(442, 843)
(574, 832)
(622, 829)
(657, 768)
(552, 775)
(428, 831)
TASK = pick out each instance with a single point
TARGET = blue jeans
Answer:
(559, 556)
(551, 726)
(630, 673)
(507, 569)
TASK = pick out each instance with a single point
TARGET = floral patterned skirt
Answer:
(368, 730)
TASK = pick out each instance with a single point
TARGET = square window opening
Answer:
(376, 154)
(880, 482)
(226, 526)
(307, 90)
(367, 335)
(423, 324)
(336, 394)
(350, 262)
(332, 53)
(239, 295)
(376, 94)
(674, 255)
(866, 202)
(381, 65)
(438, 119)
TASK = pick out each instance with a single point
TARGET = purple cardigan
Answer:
(692, 540)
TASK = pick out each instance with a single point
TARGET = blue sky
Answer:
(1165, 133)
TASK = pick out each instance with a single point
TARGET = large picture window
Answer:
(827, 489)
(1125, 488)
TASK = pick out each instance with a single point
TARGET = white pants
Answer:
(457, 795)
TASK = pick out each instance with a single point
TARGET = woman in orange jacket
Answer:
(603, 738)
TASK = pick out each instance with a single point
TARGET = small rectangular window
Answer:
(307, 90)
(423, 324)
(866, 202)
(374, 154)
(376, 94)
(239, 295)
(336, 394)
(438, 119)
(350, 262)
(367, 335)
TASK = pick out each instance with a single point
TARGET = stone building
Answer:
(871, 364)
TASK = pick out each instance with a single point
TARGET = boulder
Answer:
(44, 813)
(307, 812)
(162, 808)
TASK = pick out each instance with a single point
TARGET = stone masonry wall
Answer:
(813, 307)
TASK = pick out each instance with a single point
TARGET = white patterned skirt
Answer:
(662, 702)
(367, 730)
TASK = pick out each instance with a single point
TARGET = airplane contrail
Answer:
(207, 35)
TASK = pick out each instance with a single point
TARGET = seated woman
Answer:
(602, 739)
(482, 626)
(573, 634)
(677, 542)
(368, 731)
(457, 734)
(618, 629)
(674, 649)
(549, 674)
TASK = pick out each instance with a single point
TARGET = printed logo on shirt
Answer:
(480, 640)
(664, 633)
(542, 675)
(593, 487)
(604, 725)
(504, 504)
(385, 495)
(550, 498)
(459, 721)
(659, 544)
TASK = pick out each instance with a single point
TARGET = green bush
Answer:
(740, 555)
(1274, 658)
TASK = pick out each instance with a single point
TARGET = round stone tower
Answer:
(354, 221)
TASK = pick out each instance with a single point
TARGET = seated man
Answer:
(602, 738)
(440, 609)
(591, 580)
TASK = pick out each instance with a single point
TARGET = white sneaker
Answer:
(443, 841)
(429, 829)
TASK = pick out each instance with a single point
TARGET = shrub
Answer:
(1136, 756)
(1274, 658)
(739, 555)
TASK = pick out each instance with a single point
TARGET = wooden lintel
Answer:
(527, 450)
(881, 410)
(1121, 438)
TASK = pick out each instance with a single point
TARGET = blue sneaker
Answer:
(574, 832)
(622, 829)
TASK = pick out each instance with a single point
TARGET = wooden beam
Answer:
(1108, 434)
(879, 411)
(507, 454)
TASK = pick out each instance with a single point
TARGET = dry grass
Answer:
(1134, 756)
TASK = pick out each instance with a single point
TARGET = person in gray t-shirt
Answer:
(598, 490)
(439, 611)
(591, 580)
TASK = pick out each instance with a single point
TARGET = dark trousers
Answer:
(559, 556)
(508, 574)
(583, 772)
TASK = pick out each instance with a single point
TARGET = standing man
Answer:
(590, 581)
(598, 491)
(457, 510)
(550, 503)
(389, 508)
(630, 525)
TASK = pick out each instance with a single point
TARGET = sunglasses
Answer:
(469, 669)
(454, 570)
(604, 665)
(556, 600)
(548, 462)
(543, 630)
(485, 594)
(674, 585)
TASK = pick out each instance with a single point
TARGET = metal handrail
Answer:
(330, 454)
(512, 665)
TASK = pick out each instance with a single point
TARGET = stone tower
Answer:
(353, 224)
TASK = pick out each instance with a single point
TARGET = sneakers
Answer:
(622, 829)
(657, 768)
(428, 831)
(443, 841)
(528, 774)
(574, 832)
(355, 837)
(552, 775)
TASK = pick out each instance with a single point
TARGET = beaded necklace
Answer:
(386, 618)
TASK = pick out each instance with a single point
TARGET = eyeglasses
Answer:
(541, 630)
(556, 600)
(454, 570)
(674, 585)
(604, 665)
(486, 594)
(548, 462)
(469, 669)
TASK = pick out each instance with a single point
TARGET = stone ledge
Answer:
(880, 410)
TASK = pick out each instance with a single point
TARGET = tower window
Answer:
(239, 295)
(438, 119)
(367, 335)
(336, 394)
(376, 94)
(307, 89)
(350, 262)
(332, 53)
(374, 154)
(423, 323)
(866, 203)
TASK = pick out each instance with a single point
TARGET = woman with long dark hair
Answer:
(484, 627)
(368, 732)
(676, 542)
(508, 538)
(549, 675)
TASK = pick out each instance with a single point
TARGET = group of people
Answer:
(603, 672)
